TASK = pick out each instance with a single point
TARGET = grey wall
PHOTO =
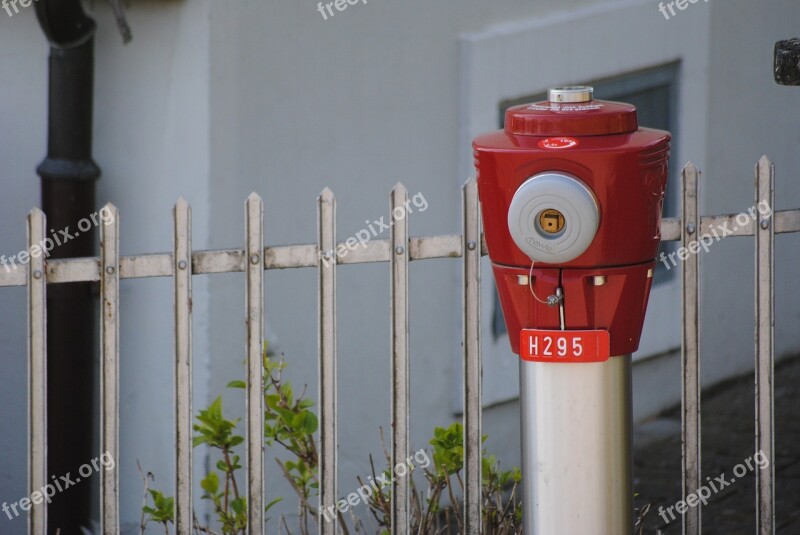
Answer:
(22, 145)
(748, 116)
(151, 140)
(357, 103)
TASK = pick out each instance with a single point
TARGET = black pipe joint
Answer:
(787, 62)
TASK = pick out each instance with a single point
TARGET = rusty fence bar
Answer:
(401, 522)
(305, 256)
(109, 369)
(254, 312)
(765, 348)
(328, 369)
(473, 494)
(182, 296)
(399, 250)
(690, 361)
(37, 370)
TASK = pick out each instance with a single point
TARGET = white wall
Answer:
(23, 56)
(152, 131)
(748, 116)
(152, 142)
(358, 103)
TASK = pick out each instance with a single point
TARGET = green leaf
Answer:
(305, 422)
(163, 512)
(239, 505)
(272, 503)
(210, 483)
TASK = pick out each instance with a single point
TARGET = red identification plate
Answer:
(564, 346)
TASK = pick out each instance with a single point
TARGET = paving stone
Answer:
(728, 440)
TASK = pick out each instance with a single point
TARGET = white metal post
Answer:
(576, 447)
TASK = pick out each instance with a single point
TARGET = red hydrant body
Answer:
(582, 186)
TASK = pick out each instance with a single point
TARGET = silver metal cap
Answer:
(571, 94)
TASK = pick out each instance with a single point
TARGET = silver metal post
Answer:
(473, 366)
(254, 315)
(182, 302)
(327, 361)
(37, 370)
(576, 447)
(401, 521)
(765, 346)
(690, 352)
(109, 369)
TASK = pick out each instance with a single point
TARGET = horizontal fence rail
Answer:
(306, 256)
(398, 251)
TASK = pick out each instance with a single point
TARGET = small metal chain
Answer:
(552, 300)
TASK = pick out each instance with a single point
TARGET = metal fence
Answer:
(400, 249)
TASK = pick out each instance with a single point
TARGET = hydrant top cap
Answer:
(571, 111)
(570, 94)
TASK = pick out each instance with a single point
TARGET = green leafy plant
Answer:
(436, 510)
(163, 509)
(291, 424)
(214, 430)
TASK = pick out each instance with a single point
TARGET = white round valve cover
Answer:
(553, 217)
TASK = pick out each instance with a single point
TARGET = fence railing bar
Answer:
(400, 360)
(671, 229)
(765, 348)
(37, 371)
(435, 247)
(472, 359)
(182, 287)
(786, 222)
(222, 261)
(690, 362)
(305, 256)
(13, 277)
(146, 266)
(233, 260)
(254, 310)
(109, 369)
(328, 372)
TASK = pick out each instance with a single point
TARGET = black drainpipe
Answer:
(68, 176)
(787, 62)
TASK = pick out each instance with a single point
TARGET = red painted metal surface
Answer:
(617, 306)
(564, 347)
(626, 168)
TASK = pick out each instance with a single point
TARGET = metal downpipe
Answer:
(68, 175)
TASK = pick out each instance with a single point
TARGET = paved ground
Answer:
(728, 439)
